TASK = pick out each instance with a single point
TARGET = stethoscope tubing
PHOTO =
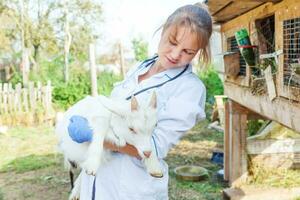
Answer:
(147, 63)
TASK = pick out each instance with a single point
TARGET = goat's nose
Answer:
(147, 153)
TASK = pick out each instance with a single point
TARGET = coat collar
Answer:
(169, 73)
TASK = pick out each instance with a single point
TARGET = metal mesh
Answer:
(233, 47)
(291, 49)
(266, 31)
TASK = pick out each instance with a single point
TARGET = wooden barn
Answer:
(261, 76)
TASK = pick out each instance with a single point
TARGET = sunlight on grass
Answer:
(29, 163)
(26, 141)
(208, 189)
(201, 132)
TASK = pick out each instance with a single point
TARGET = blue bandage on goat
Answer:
(79, 129)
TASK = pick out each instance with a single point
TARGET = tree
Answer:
(78, 17)
(140, 48)
(47, 26)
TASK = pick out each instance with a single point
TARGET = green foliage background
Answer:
(212, 82)
(140, 48)
(66, 94)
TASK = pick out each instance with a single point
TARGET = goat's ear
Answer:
(153, 101)
(117, 107)
(134, 104)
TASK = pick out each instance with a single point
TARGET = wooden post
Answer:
(31, 95)
(48, 96)
(1, 98)
(25, 66)
(5, 95)
(39, 91)
(10, 98)
(18, 97)
(67, 41)
(44, 96)
(226, 144)
(93, 70)
(122, 66)
(25, 99)
(237, 143)
(220, 106)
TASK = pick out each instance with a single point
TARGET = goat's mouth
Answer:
(157, 175)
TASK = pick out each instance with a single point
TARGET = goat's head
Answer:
(140, 122)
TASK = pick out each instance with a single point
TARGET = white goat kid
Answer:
(119, 122)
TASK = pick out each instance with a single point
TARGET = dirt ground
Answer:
(50, 181)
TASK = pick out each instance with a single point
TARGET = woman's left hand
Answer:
(127, 149)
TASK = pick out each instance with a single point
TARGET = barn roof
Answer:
(225, 10)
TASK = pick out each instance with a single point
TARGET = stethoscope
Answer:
(148, 62)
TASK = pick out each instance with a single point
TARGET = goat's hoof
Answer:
(92, 173)
(157, 174)
(90, 168)
(74, 198)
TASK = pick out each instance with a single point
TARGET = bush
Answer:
(66, 94)
(213, 84)
(254, 126)
(106, 82)
(79, 86)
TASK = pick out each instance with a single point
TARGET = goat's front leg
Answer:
(153, 166)
(100, 127)
(75, 193)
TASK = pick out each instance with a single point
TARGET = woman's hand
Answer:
(127, 149)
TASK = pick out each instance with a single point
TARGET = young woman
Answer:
(180, 104)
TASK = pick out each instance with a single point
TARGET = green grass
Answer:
(28, 154)
(1, 195)
(25, 145)
(30, 132)
(29, 163)
(207, 189)
(196, 148)
(205, 134)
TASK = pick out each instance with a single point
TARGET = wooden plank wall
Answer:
(286, 9)
(280, 110)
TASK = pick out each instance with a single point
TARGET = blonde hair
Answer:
(197, 18)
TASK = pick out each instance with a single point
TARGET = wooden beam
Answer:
(265, 193)
(255, 116)
(261, 1)
(237, 144)
(222, 8)
(226, 144)
(280, 110)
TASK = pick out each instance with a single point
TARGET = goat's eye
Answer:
(132, 130)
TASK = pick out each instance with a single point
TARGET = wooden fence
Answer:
(28, 102)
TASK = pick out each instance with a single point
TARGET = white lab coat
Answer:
(180, 105)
